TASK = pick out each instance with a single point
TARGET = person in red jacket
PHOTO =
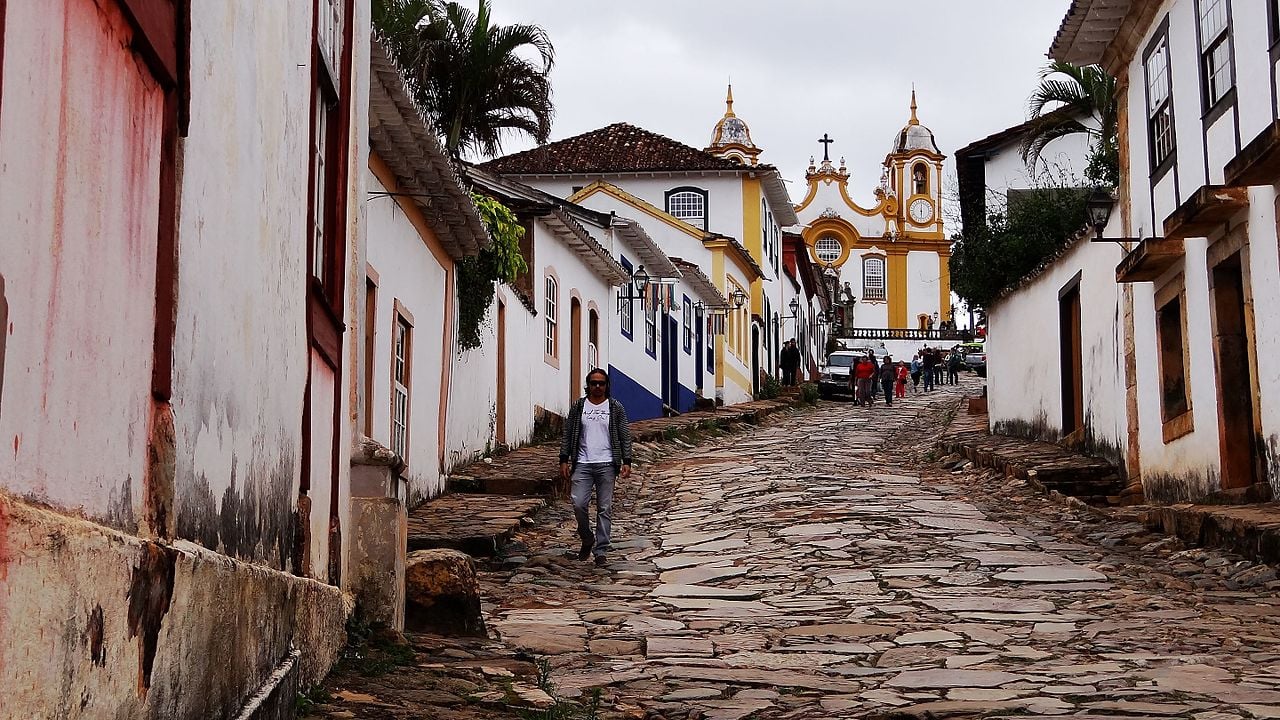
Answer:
(864, 373)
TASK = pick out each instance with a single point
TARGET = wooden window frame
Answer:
(402, 360)
(1160, 165)
(651, 321)
(1213, 108)
(551, 318)
(626, 309)
(371, 279)
(686, 318)
(1174, 424)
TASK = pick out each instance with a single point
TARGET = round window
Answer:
(828, 249)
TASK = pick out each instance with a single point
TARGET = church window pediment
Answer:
(688, 204)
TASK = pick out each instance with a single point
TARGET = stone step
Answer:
(478, 525)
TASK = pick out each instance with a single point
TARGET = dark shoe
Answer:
(601, 561)
(585, 552)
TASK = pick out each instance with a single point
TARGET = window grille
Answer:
(873, 284)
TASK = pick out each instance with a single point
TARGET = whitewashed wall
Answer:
(409, 273)
(80, 159)
(1024, 372)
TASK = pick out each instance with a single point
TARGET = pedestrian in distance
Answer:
(888, 378)
(901, 388)
(938, 360)
(953, 367)
(929, 361)
(790, 362)
(915, 373)
(594, 452)
(863, 373)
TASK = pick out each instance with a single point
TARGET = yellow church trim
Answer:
(844, 231)
(897, 279)
(944, 285)
(879, 209)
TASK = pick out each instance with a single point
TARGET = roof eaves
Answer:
(740, 249)
(401, 134)
(587, 247)
(1087, 30)
(784, 211)
(654, 259)
(701, 284)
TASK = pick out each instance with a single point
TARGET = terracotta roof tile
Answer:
(616, 148)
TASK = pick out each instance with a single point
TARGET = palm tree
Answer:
(1057, 108)
(470, 75)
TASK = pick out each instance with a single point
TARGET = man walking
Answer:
(930, 360)
(595, 450)
(953, 367)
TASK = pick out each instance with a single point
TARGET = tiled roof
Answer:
(617, 148)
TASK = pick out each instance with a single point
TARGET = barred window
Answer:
(689, 205)
(873, 285)
(828, 248)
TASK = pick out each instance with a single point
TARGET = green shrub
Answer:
(770, 388)
(809, 393)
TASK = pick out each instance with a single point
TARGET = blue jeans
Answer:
(928, 378)
(599, 477)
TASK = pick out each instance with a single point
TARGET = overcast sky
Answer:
(799, 69)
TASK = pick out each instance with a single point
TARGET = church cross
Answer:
(826, 146)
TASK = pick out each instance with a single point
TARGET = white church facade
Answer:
(890, 256)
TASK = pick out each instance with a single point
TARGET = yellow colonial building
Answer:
(891, 256)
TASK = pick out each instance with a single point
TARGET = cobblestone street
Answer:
(827, 564)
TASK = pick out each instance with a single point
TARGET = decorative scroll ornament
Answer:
(830, 212)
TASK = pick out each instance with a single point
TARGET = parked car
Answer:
(833, 376)
(975, 357)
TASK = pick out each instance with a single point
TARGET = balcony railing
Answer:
(904, 334)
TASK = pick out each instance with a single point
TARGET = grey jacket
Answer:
(619, 434)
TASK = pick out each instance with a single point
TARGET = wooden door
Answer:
(1070, 355)
(575, 350)
(1235, 383)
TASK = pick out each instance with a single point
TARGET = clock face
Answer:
(921, 211)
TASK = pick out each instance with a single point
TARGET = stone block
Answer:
(377, 560)
(442, 594)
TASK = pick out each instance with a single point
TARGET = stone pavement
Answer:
(826, 566)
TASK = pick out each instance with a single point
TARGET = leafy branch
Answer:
(478, 275)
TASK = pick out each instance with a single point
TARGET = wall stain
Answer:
(95, 637)
(150, 592)
(254, 520)
(4, 337)
(120, 507)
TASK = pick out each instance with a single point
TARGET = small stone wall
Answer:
(95, 623)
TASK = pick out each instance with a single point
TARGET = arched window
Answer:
(549, 313)
(829, 248)
(920, 179)
(688, 204)
(873, 285)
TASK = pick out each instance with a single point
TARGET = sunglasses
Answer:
(597, 383)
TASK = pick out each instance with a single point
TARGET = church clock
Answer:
(921, 211)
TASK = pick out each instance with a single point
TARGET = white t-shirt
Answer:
(593, 445)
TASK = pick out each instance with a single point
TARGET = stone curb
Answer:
(1252, 531)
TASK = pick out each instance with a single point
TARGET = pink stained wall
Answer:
(80, 133)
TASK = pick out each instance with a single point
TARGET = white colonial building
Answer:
(720, 191)
(1161, 350)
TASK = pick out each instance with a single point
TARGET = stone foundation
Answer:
(95, 623)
